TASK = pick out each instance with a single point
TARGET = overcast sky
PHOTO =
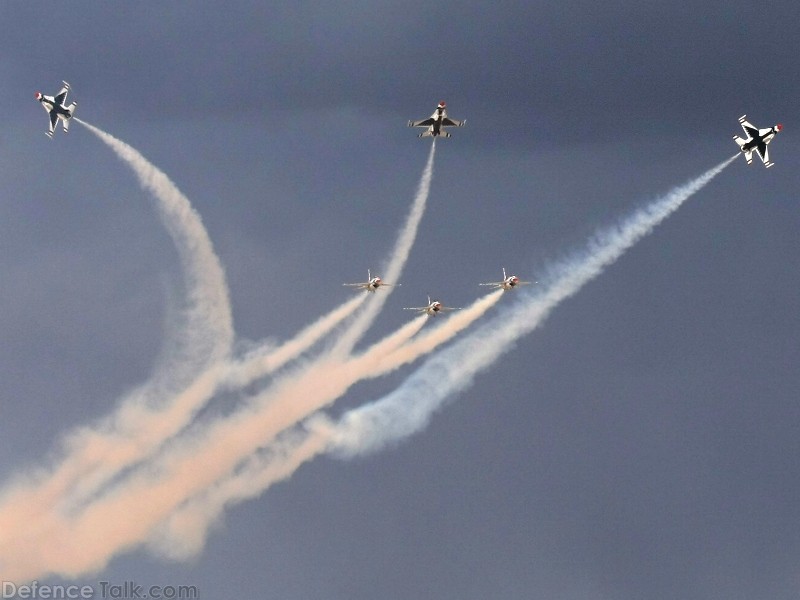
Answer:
(642, 443)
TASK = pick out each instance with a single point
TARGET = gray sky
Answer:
(641, 444)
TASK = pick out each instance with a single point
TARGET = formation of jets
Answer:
(57, 109)
(757, 140)
(434, 307)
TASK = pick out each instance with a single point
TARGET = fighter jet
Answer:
(434, 308)
(757, 139)
(371, 284)
(437, 122)
(57, 109)
(509, 282)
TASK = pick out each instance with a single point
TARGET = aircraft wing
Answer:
(763, 153)
(497, 284)
(358, 285)
(749, 129)
(53, 121)
(61, 97)
(448, 122)
(423, 123)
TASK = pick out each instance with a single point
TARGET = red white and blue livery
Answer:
(509, 282)
(433, 308)
(435, 124)
(756, 141)
(56, 107)
(371, 284)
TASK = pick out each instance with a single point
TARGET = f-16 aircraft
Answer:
(757, 139)
(437, 122)
(371, 284)
(57, 109)
(509, 282)
(434, 308)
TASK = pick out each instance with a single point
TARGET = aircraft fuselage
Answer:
(437, 123)
(759, 139)
(52, 106)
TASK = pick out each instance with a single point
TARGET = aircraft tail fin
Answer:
(739, 141)
(71, 108)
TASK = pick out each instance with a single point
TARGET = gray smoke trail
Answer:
(397, 261)
(409, 408)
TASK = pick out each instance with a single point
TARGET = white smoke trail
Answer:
(208, 291)
(93, 455)
(397, 261)
(409, 408)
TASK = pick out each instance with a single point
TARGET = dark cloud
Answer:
(640, 444)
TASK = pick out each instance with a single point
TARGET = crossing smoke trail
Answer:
(408, 409)
(261, 441)
(263, 360)
(186, 374)
(184, 532)
(399, 256)
(331, 381)
(85, 539)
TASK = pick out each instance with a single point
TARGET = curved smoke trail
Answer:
(409, 408)
(155, 499)
(186, 376)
